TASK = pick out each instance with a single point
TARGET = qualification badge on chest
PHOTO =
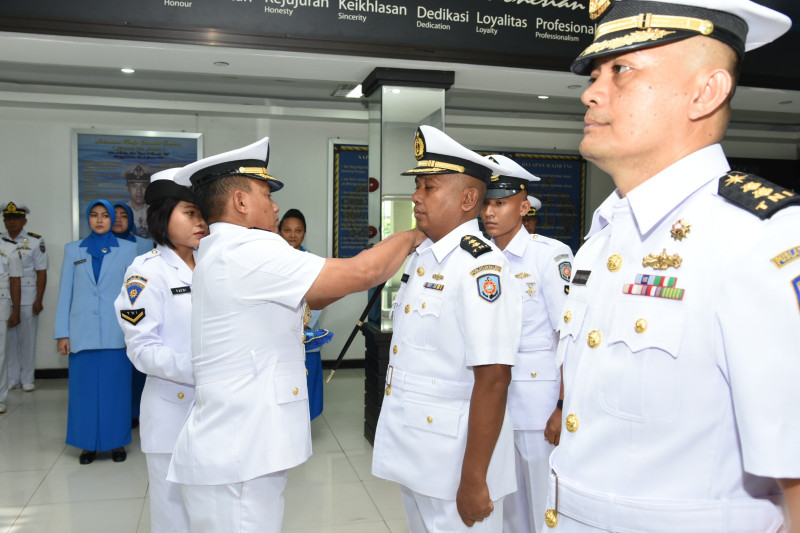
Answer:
(489, 287)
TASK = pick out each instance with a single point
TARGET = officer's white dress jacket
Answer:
(454, 311)
(85, 311)
(33, 253)
(541, 268)
(692, 399)
(251, 414)
(154, 310)
(10, 266)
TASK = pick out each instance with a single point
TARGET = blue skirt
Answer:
(99, 412)
(314, 378)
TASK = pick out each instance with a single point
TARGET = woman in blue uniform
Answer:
(86, 329)
(125, 228)
(154, 309)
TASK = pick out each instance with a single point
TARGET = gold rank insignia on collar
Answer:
(474, 245)
(680, 230)
(662, 261)
(755, 194)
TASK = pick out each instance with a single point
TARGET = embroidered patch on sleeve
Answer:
(489, 287)
(786, 257)
(796, 285)
(565, 270)
(134, 286)
(134, 316)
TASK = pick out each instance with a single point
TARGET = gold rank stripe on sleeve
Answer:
(134, 316)
(755, 194)
(786, 257)
(482, 268)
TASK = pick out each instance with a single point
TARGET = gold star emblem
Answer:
(733, 179)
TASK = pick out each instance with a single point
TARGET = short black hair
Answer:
(293, 213)
(158, 214)
(213, 195)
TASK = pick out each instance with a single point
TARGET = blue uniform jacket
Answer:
(85, 311)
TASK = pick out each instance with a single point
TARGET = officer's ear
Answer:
(470, 199)
(239, 200)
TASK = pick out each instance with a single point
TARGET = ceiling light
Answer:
(542, 97)
(343, 90)
(785, 102)
(355, 93)
(127, 70)
(395, 91)
(221, 63)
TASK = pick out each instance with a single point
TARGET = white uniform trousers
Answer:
(167, 511)
(524, 510)
(253, 506)
(432, 515)
(3, 352)
(22, 348)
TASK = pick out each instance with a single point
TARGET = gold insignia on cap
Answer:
(597, 8)
(646, 21)
(626, 40)
(662, 261)
(680, 230)
(419, 146)
(261, 172)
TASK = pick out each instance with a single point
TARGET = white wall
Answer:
(36, 162)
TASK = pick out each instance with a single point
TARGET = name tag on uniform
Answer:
(581, 277)
(79, 262)
(181, 290)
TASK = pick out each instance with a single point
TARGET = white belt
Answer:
(441, 388)
(610, 512)
(244, 364)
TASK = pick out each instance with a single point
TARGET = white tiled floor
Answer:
(44, 489)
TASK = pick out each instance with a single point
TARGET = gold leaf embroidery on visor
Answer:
(632, 38)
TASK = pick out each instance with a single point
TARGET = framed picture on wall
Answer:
(117, 166)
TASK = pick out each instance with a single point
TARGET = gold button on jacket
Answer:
(594, 339)
(395, 349)
(295, 391)
(567, 316)
(420, 271)
(533, 374)
(640, 325)
(572, 423)
(408, 309)
(430, 419)
(180, 396)
(550, 518)
(614, 263)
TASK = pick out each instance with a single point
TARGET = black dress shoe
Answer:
(118, 455)
(87, 457)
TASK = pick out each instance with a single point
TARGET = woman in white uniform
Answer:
(154, 310)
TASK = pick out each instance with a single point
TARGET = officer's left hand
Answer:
(13, 320)
(473, 502)
(552, 430)
(37, 307)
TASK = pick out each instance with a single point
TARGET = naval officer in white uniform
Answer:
(443, 432)
(541, 267)
(680, 334)
(154, 310)
(250, 422)
(22, 338)
(10, 289)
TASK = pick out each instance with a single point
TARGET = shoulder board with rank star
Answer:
(755, 194)
(474, 245)
(35, 236)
